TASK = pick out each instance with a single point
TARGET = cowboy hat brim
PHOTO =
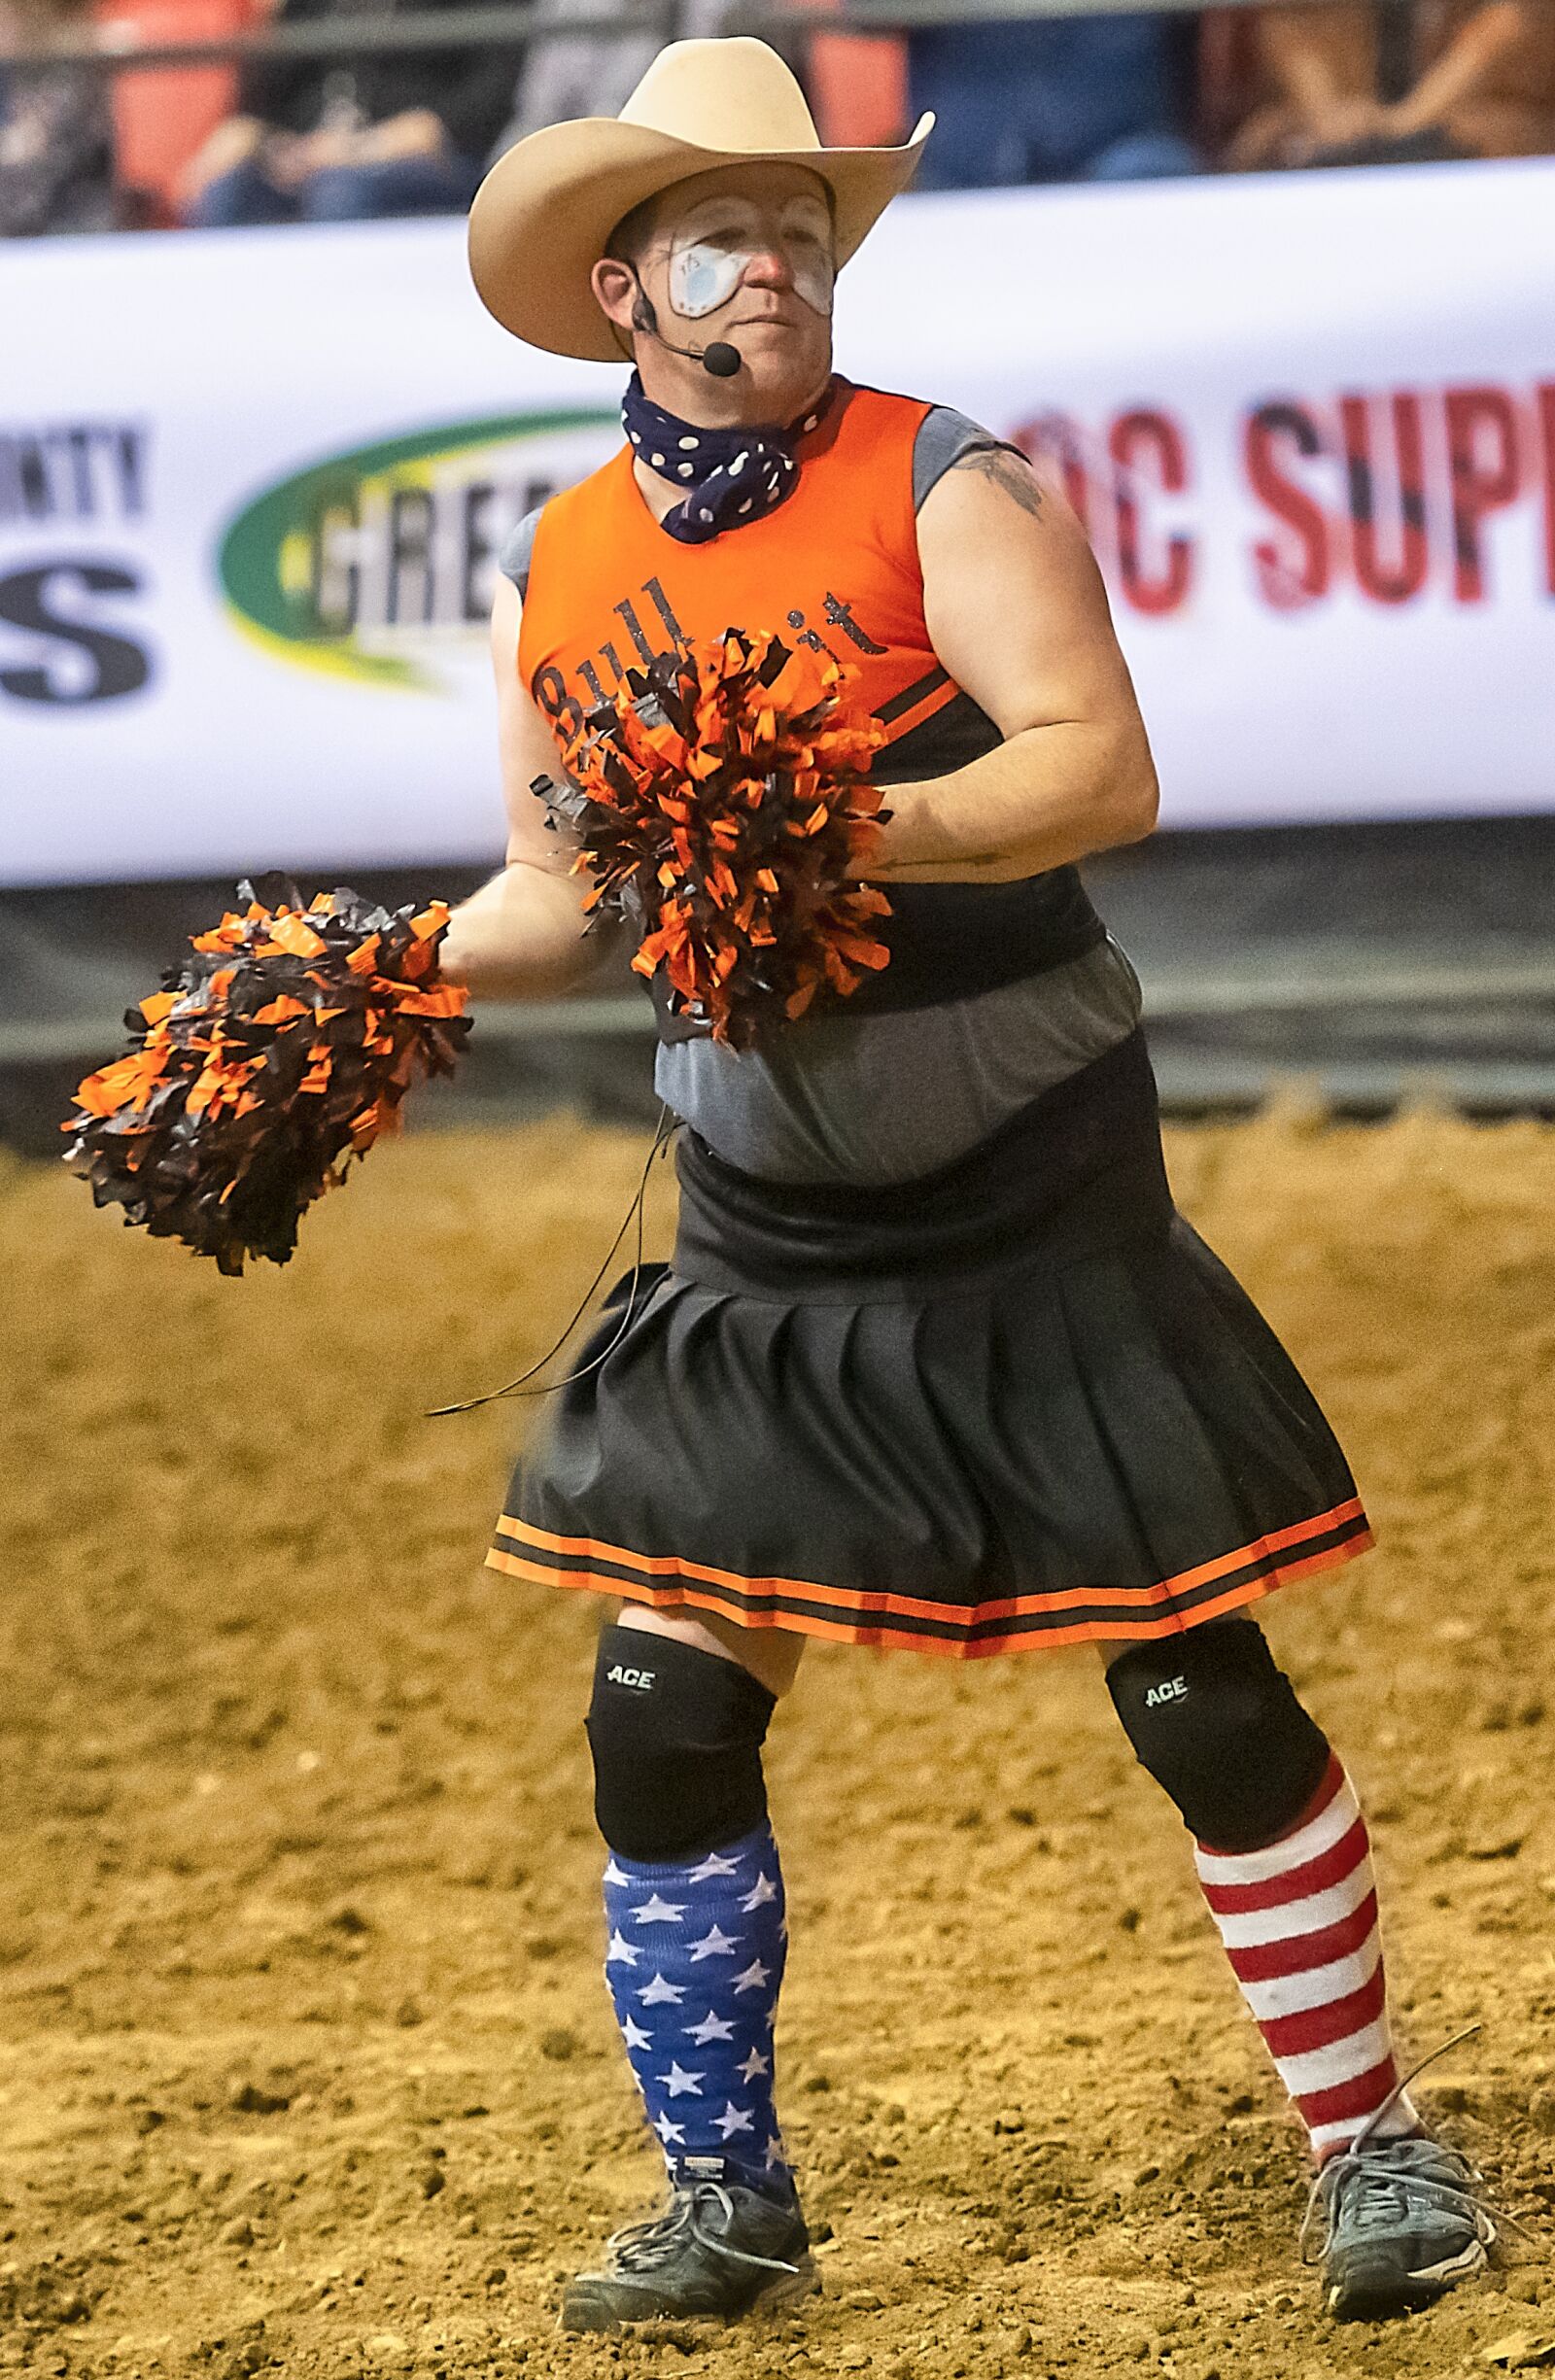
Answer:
(545, 211)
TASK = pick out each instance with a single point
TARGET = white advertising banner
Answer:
(252, 484)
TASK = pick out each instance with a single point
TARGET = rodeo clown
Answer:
(935, 1364)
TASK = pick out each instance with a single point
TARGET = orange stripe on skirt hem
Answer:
(882, 1634)
(914, 1607)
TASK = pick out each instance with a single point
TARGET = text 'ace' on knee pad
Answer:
(1220, 1729)
(677, 1736)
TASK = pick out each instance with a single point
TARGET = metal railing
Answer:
(518, 26)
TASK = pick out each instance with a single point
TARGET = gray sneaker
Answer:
(717, 2249)
(1401, 2223)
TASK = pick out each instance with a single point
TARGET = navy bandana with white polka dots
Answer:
(728, 476)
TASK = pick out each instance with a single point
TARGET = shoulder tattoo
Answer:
(1008, 471)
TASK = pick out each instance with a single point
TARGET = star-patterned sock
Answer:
(694, 1963)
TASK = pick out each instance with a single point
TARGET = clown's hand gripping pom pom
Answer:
(271, 1058)
(721, 808)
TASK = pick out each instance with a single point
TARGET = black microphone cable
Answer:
(664, 1133)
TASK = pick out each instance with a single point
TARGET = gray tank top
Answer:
(884, 1097)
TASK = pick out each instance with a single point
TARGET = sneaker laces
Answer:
(1386, 2176)
(643, 2245)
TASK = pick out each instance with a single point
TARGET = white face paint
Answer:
(713, 247)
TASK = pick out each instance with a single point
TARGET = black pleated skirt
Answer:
(1017, 1404)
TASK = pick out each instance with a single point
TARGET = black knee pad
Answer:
(676, 1736)
(1220, 1728)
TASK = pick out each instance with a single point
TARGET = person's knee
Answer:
(376, 190)
(1142, 157)
(238, 199)
(1221, 1730)
(339, 194)
(677, 1736)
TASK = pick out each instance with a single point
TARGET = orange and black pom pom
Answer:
(723, 807)
(270, 1058)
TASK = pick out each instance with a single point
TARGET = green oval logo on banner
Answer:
(376, 563)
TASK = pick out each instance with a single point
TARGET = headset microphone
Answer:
(718, 358)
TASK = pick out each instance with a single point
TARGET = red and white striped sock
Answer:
(1298, 1919)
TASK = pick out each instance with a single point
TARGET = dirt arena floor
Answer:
(306, 2062)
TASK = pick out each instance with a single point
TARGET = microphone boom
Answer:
(718, 358)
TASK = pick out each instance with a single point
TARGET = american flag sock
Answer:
(1298, 1919)
(694, 1962)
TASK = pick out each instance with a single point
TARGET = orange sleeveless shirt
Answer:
(835, 568)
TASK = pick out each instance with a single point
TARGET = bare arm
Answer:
(1318, 64)
(521, 936)
(1018, 614)
(1321, 64)
(1478, 51)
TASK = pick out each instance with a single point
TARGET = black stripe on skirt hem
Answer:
(1095, 1611)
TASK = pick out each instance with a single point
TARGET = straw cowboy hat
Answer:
(543, 213)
